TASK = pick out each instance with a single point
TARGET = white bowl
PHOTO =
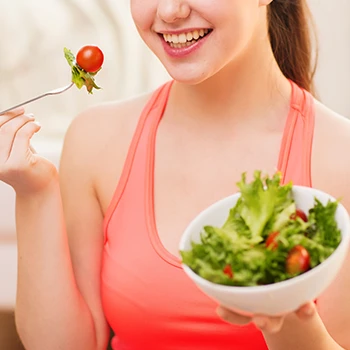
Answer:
(278, 298)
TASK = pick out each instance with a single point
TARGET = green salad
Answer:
(80, 76)
(266, 238)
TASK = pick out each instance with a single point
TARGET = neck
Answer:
(250, 87)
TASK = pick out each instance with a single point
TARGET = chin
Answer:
(187, 80)
(192, 77)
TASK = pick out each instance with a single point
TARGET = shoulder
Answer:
(330, 158)
(109, 124)
(101, 122)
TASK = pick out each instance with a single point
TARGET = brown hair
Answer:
(290, 32)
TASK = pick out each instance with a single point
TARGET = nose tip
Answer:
(170, 11)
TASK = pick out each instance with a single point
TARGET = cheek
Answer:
(143, 13)
(241, 26)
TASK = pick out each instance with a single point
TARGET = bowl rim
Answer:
(345, 240)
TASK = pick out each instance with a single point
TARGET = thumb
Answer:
(32, 149)
(306, 311)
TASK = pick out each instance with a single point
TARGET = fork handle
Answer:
(23, 103)
(53, 92)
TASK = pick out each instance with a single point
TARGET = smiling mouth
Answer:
(182, 40)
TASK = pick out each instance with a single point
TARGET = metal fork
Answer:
(49, 93)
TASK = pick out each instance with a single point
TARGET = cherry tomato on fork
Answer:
(90, 58)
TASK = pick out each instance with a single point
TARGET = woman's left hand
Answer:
(268, 324)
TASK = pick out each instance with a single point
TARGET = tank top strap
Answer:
(296, 147)
(150, 116)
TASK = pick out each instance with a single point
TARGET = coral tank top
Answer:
(148, 300)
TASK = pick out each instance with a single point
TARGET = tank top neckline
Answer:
(167, 256)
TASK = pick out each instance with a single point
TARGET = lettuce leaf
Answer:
(326, 229)
(79, 76)
(264, 200)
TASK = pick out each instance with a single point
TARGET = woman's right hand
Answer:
(20, 166)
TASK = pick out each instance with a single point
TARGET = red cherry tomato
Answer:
(90, 58)
(228, 271)
(298, 260)
(299, 214)
(271, 241)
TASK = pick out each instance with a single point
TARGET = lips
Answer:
(183, 49)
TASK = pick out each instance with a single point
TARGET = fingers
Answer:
(268, 324)
(16, 130)
(306, 311)
(14, 126)
(21, 143)
(264, 323)
(32, 149)
(11, 114)
(274, 324)
(232, 317)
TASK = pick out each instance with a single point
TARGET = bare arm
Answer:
(50, 311)
(328, 325)
(58, 299)
(329, 328)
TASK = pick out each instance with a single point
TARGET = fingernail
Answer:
(30, 115)
(37, 123)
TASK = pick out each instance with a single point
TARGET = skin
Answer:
(59, 218)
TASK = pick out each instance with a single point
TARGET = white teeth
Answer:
(189, 36)
(175, 38)
(182, 38)
(185, 38)
(180, 45)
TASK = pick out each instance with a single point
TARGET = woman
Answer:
(130, 184)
